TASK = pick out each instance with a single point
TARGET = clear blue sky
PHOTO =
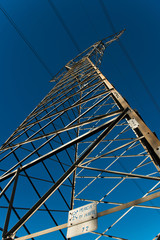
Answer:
(38, 39)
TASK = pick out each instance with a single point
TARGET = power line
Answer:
(25, 40)
(136, 71)
(64, 26)
(89, 19)
(128, 57)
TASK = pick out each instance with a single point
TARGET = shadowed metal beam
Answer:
(43, 199)
(100, 214)
(61, 148)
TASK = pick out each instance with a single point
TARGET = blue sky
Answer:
(38, 38)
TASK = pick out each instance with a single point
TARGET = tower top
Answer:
(94, 52)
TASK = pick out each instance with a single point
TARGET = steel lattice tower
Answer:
(83, 143)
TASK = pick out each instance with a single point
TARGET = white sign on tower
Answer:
(82, 220)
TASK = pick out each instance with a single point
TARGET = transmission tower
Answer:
(82, 144)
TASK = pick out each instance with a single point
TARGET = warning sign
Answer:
(82, 220)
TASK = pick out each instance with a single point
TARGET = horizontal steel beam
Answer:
(59, 149)
(112, 151)
(43, 199)
(65, 129)
(151, 142)
(120, 173)
(100, 214)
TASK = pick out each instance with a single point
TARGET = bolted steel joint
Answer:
(11, 237)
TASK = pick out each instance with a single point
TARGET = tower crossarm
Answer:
(94, 52)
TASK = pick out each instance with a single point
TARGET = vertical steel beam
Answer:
(10, 204)
(151, 142)
(7, 186)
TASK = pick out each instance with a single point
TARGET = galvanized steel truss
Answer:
(82, 143)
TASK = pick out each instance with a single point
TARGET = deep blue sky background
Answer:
(38, 38)
(32, 32)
